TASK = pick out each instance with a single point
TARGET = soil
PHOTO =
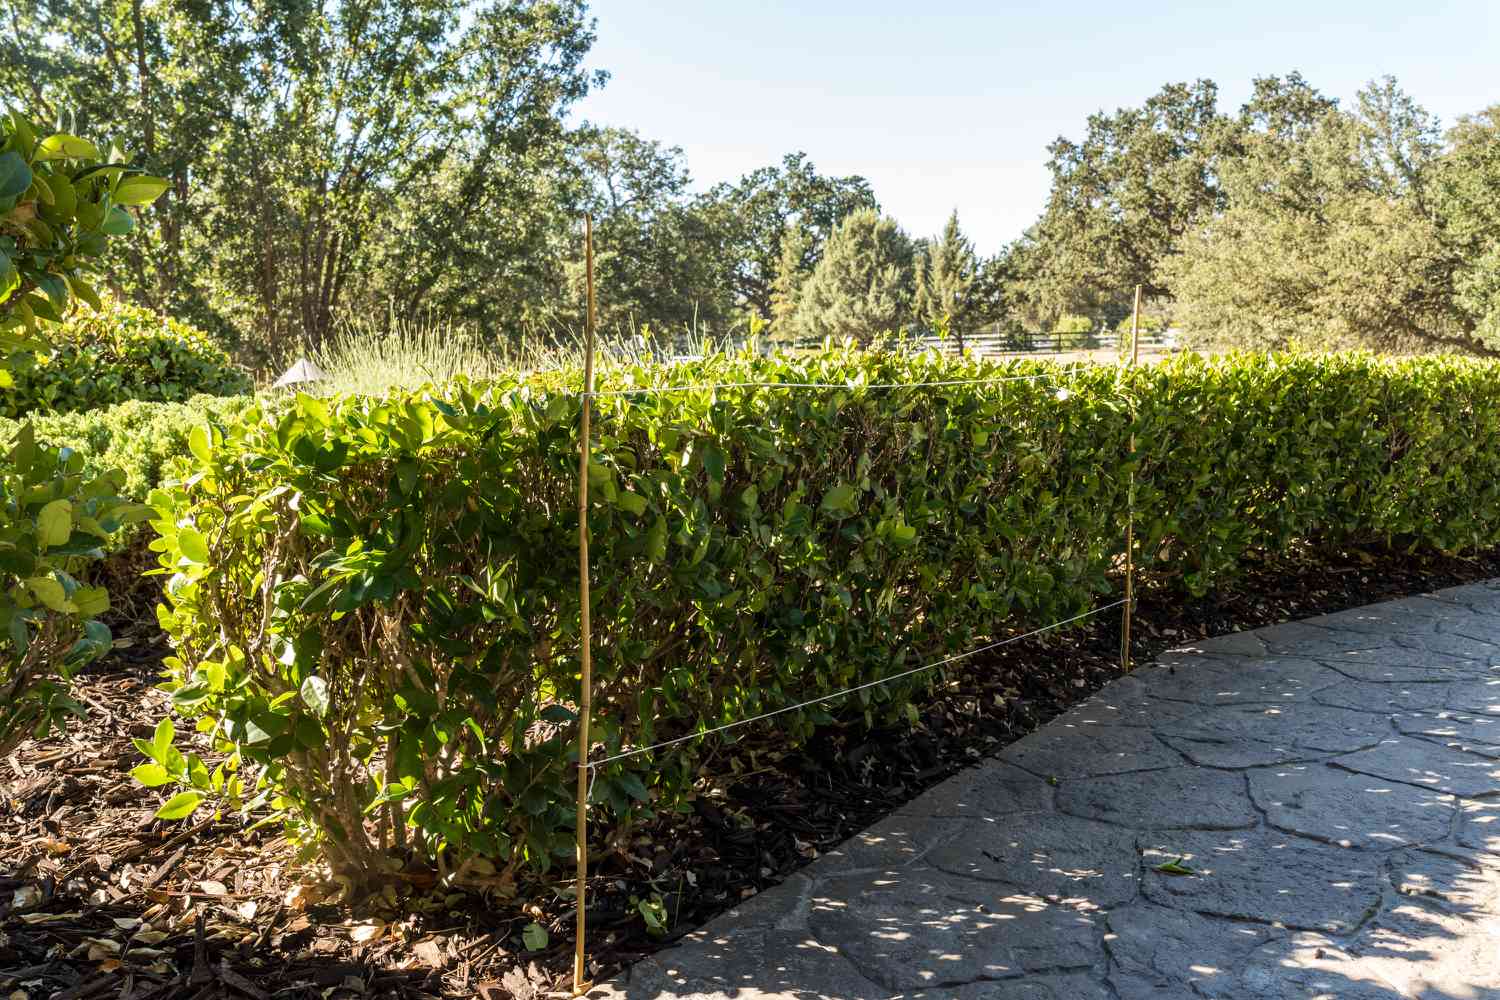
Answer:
(99, 900)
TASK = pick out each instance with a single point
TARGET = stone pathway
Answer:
(1330, 789)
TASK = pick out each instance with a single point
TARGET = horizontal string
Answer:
(862, 687)
(704, 387)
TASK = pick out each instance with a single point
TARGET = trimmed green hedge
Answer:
(121, 352)
(139, 439)
(376, 601)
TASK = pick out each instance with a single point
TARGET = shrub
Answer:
(60, 202)
(137, 439)
(121, 352)
(375, 601)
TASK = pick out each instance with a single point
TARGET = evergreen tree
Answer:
(945, 283)
(792, 270)
(862, 286)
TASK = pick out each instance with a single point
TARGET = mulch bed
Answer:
(97, 899)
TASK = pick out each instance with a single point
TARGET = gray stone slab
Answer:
(1479, 826)
(1246, 643)
(1265, 876)
(1158, 951)
(1296, 639)
(920, 929)
(1479, 696)
(1381, 620)
(992, 789)
(1129, 702)
(1239, 736)
(1450, 727)
(1456, 884)
(1385, 699)
(1040, 986)
(1451, 646)
(1309, 966)
(1427, 765)
(1239, 680)
(1350, 810)
(1051, 856)
(1064, 750)
(744, 965)
(1395, 666)
(1178, 798)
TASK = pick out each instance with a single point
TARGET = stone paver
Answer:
(1330, 790)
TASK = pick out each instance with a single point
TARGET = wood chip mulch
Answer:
(98, 900)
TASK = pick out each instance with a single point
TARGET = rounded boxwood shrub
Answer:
(120, 352)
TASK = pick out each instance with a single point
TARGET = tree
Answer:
(344, 149)
(1465, 193)
(1326, 239)
(164, 82)
(946, 275)
(656, 257)
(792, 272)
(862, 286)
(1123, 196)
(756, 213)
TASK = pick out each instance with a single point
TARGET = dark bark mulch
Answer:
(99, 900)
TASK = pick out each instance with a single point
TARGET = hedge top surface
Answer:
(120, 352)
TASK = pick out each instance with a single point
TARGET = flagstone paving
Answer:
(1310, 810)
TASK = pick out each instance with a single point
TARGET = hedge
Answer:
(101, 357)
(374, 602)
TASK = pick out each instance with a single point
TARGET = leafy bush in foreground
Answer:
(121, 352)
(60, 202)
(375, 601)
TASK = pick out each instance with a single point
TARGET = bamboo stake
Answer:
(586, 680)
(1129, 609)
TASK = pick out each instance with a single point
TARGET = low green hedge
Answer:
(139, 439)
(117, 353)
(376, 601)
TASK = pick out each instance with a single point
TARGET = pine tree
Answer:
(945, 282)
(792, 271)
(862, 286)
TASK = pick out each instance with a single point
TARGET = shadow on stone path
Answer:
(1332, 786)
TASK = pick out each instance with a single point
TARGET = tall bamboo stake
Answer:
(1135, 357)
(586, 680)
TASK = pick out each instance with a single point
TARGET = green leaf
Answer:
(180, 805)
(534, 936)
(314, 693)
(139, 189)
(161, 739)
(199, 443)
(64, 146)
(117, 223)
(193, 545)
(632, 502)
(15, 175)
(839, 499)
(54, 524)
(91, 601)
(49, 590)
(150, 775)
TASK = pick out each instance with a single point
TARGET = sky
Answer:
(950, 104)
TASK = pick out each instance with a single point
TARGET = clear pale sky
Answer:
(949, 104)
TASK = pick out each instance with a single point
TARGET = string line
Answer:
(704, 387)
(861, 687)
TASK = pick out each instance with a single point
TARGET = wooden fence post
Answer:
(585, 652)
(1135, 357)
